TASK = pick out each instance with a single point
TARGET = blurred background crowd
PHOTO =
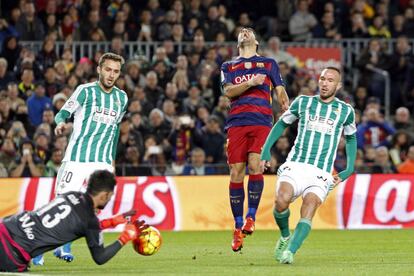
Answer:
(176, 113)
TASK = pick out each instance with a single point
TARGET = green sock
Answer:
(301, 232)
(282, 220)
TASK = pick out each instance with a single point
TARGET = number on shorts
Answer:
(67, 176)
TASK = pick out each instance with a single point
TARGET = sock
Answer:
(236, 202)
(66, 247)
(255, 188)
(282, 220)
(301, 232)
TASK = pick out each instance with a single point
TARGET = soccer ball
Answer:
(148, 242)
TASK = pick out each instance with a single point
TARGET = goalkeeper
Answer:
(68, 217)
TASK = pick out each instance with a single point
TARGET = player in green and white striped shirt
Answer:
(308, 168)
(98, 108)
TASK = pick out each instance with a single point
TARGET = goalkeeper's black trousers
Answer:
(13, 258)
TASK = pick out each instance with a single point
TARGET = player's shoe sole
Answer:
(248, 226)
(237, 243)
(287, 257)
(66, 256)
(38, 260)
(281, 246)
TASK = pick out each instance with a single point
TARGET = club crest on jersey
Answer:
(260, 64)
(247, 65)
(117, 103)
(243, 78)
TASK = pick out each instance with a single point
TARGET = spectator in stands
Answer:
(8, 152)
(212, 24)
(193, 100)
(58, 101)
(61, 142)
(10, 51)
(358, 28)
(401, 60)
(53, 165)
(52, 87)
(302, 22)
(401, 141)
(134, 75)
(382, 162)
(26, 86)
(361, 97)
(159, 127)
(280, 151)
(373, 57)
(161, 69)
(6, 77)
(6, 30)
(221, 110)
(403, 120)
(327, 28)
(37, 103)
(27, 164)
(198, 166)
(7, 114)
(132, 165)
(41, 142)
(398, 26)
(378, 28)
(29, 26)
(408, 165)
(374, 131)
(168, 107)
(211, 139)
(273, 51)
(152, 90)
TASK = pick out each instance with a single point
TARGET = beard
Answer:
(101, 207)
(324, 97)
(104, 84)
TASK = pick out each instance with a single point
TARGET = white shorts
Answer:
(305, 179)
(73, 176)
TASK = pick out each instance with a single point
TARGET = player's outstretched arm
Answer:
(101, 254)
(351, 151)
(274, 134)
(235, 90)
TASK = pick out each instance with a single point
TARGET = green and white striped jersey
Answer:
(319, 129)
(96, 123)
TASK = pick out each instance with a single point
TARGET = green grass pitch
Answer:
(325, 252)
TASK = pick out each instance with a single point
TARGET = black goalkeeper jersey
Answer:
(66, 218)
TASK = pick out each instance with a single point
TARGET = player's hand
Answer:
(116, 220)
(264, 165)
(60, 128)
(140, 225)
(337, 180)
(283, 100)
(130, 233)
(257, 80)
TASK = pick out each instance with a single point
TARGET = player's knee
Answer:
(282, 201)
(253, 169)
(236, 176)
(311, 202)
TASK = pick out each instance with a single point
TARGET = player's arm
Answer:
(71, 105)
(235, 90)
(101, 254)
(276, 78)
(287, 118)
(350, 148)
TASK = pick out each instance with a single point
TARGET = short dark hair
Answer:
(333, 68)
(111, 56)
(101, 181)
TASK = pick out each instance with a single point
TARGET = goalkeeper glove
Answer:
(119, 219)
(130, 233)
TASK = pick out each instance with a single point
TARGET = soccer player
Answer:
(307, 171)
(98, 108)
(248, 82)
(67, 218)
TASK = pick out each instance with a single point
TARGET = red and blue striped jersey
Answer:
(254, 106)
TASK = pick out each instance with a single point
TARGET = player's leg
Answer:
(71, 177)
(255, 189)
(281, 213)
(256, 138)
(310, 204)
(236, 191)
(237, 157)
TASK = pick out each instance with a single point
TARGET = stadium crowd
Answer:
(176, 113)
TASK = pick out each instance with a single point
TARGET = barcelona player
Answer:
(248, 81)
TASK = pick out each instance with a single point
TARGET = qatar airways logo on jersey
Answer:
(244, 78)
(105, 115)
